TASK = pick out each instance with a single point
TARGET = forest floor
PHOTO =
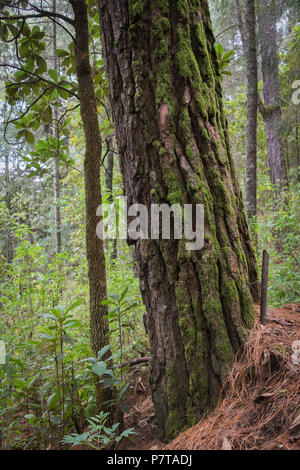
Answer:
(260, 401)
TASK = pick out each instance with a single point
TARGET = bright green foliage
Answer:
(99, 435)
(279, 230)
(224, 58)
(41, 334)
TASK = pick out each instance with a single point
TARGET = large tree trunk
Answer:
(252, 106)
(99, 329)
(166, 98)
(271, 110)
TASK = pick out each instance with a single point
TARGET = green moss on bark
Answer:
(136, 8)
(177, 145)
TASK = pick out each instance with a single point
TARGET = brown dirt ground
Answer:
(259, 404)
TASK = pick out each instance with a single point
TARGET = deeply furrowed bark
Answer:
(99, 329)
(166, 99)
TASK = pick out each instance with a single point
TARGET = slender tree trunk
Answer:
(109, 168)
(8, 245)
(57, 216)
(8, 240)
(99, 329)
(252, 106)
(248, 37)
(239, 14)
(109, 174)
(271, 110)
(55, 134)
(166, 99)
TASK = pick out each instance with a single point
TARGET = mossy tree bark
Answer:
(166, 99)
(99, 329)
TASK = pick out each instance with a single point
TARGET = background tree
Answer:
(271, 108)
(247, 28)
(109, 174)
(55, 132)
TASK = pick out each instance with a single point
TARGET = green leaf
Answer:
(49, 316)
(61, 53)
(123, 294)
(30, 64)
(26, 30)
(3, 31)
(89, 359)
(10, 371)
(53, 75)
(227, 55)
(24, 50)
(52, 401)
(13, 29)
(103, 351)
(29, 136)
(72, 324)
(33, 380)
(37, 35)
(41, 64)
(63, 93)
(220, 50)
(74, 305)
(20, 383)
(99, 368)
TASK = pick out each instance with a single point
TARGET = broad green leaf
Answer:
(41, 64)
(53, 75)
(103, 351)
(99, 368)
(29, 136)
(61, 53)
(52, 401)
